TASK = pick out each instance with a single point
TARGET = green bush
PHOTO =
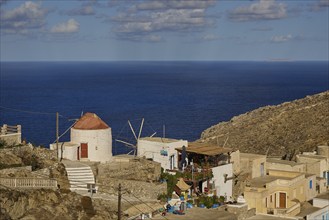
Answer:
(3, 143)
(208, 201)
(162, 197)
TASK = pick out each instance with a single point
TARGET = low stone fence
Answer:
(28, 183)
(12, 135)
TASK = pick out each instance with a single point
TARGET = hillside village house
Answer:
(161, 150)
(317, 163)
(208, 168)
(91, 140)
(280, 192)
(255, 164)
(285, 165)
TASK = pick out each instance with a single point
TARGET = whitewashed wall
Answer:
(218, 179)
(151, 149)
(99, 143)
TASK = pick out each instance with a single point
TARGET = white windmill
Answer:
(134, 145)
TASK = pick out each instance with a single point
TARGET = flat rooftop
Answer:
(205, 149)
(286, 162)
(323, 196)
(197, 213)
(251, 156)
(259, 182)
(160, 139)
(307, 209)
(269, 217)
(319, 157)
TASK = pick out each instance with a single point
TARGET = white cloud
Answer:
(145, 18)
(27, 16)
(282, 38)
(71, 26)
(174, 4)
(172, 20)
(262, 10)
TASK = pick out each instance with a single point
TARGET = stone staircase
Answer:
(79, 175)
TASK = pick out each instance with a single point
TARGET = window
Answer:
(311, 184)
(271, 198)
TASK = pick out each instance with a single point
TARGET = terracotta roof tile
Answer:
(90, 121)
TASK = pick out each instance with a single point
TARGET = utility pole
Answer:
(57, 122)
(119, 202)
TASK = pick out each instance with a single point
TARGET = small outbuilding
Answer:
(182, 188)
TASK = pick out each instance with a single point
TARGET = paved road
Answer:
(199, 214)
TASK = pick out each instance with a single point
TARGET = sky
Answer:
(162, 30)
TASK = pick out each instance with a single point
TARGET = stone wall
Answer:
(12, 139)
(139, 189)
(137, 176)
(132, 169)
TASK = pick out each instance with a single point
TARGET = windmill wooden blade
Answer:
(132, 129)
(126, 143)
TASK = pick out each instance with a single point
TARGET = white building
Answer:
(91, 140)
(161, 150)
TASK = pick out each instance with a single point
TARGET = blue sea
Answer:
(177, 99)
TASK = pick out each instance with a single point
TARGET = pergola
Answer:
(204, 156)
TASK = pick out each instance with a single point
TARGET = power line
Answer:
(30, 112)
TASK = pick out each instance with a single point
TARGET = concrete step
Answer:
(78, 189)
(79, 171)
(79, 177)
(88, 176)
(72, 182)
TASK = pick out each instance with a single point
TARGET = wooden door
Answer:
(78, 153)
(282, 200)
(84, 150)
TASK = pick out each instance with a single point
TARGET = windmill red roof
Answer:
(90, 121)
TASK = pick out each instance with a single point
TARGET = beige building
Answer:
(317, 164)
(253, 163)
(285, 165)
(280, 192)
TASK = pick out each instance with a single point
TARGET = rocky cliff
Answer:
(49, 204)
(300, 125)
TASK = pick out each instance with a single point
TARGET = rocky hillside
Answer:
(300, 125)
(49, 204)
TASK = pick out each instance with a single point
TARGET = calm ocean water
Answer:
(186, 97)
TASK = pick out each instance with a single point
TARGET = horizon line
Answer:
(264, 60)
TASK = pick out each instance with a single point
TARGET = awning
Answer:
(182, 185)
(205, 149)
